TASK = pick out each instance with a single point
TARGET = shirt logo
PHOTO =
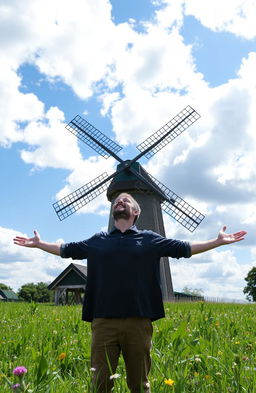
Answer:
(138, 242)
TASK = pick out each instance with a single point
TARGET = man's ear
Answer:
(136, 212)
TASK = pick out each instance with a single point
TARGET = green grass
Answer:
(202, 347)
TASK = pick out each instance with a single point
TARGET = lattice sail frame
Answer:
(169, 131)
(79, 198)
(177, 208)
(94, 138)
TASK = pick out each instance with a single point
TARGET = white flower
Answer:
(114, 376)
(93, 369)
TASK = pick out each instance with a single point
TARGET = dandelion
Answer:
(114, 376)
(20, 370)
(62, 356)
(169, 382)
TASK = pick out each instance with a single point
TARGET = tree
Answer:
(43, 294)
(31, 292)
(250, 288)
(5, 287)
(193, 292)
(27, 292)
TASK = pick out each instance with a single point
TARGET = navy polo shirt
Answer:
(123, 272)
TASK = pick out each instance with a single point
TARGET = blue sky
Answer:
(128, 68)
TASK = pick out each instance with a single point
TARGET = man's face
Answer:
(123, 207)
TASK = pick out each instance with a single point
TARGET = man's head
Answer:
(126, 207)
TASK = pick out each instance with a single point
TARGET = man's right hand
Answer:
(36, 242)
(32, 242)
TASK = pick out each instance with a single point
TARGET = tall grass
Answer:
(198, 347)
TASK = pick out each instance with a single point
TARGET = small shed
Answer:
(8, 296)
(69, 286)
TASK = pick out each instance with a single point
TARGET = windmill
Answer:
(130, 176)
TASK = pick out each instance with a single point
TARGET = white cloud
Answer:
(20, 265)
(15, 106)
(218, 273)
(234, 16)
(50, 145)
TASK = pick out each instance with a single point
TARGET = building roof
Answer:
(8, 295)
(73, 271)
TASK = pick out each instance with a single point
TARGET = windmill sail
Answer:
(83, 195)
(168, 132)
(94, 138)
(176, 207)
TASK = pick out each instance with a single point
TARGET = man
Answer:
(123, 294)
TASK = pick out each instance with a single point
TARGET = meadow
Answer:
(198, 347)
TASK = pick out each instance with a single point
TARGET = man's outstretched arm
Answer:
(222, 239)
(36, 242)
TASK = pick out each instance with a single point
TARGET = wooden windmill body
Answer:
(151, 217)
(131, 177)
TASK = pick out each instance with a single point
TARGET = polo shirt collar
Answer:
(133, 228)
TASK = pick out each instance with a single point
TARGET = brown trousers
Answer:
(129, 336)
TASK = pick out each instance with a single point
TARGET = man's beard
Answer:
(117, 214)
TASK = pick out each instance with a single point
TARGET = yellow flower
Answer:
(169, 382)
(62, 356)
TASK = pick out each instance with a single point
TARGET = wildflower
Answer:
(198, 360)
(62, 356)
(237, 342)
(169, 382)
(16, 386)
(114, 376)
(218, 374)
(92, 369)
(20, 370)
(207, 376)
(196, 374)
